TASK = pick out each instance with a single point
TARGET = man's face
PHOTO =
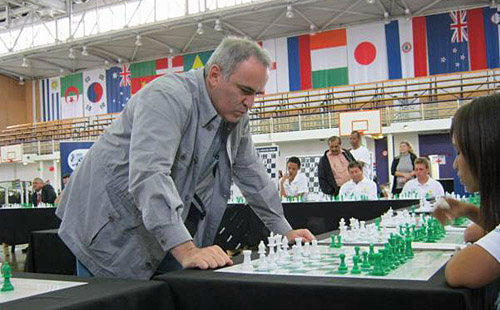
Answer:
(356, 174)
(292, 168)
(354, 140)
(37, 185)
(234, 97)
(421, 171)
(334, 147)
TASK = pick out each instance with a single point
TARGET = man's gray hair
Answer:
(232, 51)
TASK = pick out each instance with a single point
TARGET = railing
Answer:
(435, 97)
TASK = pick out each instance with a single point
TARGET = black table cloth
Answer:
(16, 225)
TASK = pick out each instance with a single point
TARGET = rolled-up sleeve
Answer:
(251, 177)
(158, 122)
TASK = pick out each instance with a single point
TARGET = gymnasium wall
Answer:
(15, 102)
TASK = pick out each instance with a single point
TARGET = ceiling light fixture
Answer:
(119, 60)
(200, 30)
(289, 12)
(138, 40)
(84, 51)
(21, 80)
(370, 1)
(25, 63)
(170, 51)
(387, 18)
(493, 4)
(217, 26)
(312, 29)
(407, 14)
(71, 54)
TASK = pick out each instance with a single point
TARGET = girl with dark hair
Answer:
(476, 135)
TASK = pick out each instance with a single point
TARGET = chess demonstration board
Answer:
(421, 267)
(30, 287)
(450, 241)
(269, 156)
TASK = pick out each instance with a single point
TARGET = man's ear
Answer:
(214, 75)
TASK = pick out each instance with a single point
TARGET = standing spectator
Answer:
(294, 184)
(42, 192)
(361, 154)
(359, 185)
(332, 168)
(423, 184)
(403, 167)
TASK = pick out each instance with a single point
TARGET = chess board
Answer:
(309, 167)
(450, 241)
(269, 156)
(30, 287)
(421, 267)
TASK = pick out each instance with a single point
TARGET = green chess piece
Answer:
(339, 242)
(370, 255)
(365, 265)
(6, 273)
(342, 267)
(377, 223)
(408, 248)
(332, 243)
(355, 267)
(356, 249)
(377, 267)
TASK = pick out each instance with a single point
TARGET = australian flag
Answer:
(118, 87)
(447, 42)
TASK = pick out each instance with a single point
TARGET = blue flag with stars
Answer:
(118, 87)
(447, 42)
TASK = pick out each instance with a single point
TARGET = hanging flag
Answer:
(367, 55)
(282, 74)
(72, 96)
(329, 58)
(196, 60)
(94, 85)
(49, 99)
(142, 73)
(420, 46)
(169, 65)
(399, 42)
(272, 82)
(491, 20)
(117, 88)
(447, 42)
(477, 42)
(299, 63)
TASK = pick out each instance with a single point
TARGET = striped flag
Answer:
(329, 58)
(420, 46)
(399, 41)
(299, 63)
(484, 38)
(278, 75)
(50, 108)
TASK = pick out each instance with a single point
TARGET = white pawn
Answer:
(262, 248)
(307, 250)
(284, 246)
(297, 257)
(262, 263)
(271, 262)
(247, 261)
(315, 250)
(298, 244)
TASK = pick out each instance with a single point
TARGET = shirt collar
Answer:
(208, 114)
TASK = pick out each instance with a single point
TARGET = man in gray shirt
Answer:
(158, 180)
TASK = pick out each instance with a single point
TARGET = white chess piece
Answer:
(247, 261)
(298, 244)
(297, 257)
(307, 250)
(315, 254)
(284, 246)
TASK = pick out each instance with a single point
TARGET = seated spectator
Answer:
(359, 186)
(294, 184)
(424, 185)
(332, 168)
(42, 193)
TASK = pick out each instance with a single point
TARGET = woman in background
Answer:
(403, 167)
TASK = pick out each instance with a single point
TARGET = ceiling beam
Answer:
(50, 63)
(161, 43)
(236, 29)
(307, 19)
(186, 46)
(108, 53)
(52, 4)
(271, 24)
(319, 8)
(339, 15)
(427, 7)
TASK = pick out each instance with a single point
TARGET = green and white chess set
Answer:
(392, 256)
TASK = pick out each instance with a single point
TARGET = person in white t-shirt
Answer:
(359, 186)
(476, 135)
(294, 184)
(361, 154)
(423, 184)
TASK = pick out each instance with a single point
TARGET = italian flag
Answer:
(329, 58)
